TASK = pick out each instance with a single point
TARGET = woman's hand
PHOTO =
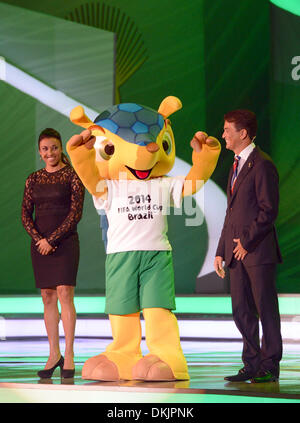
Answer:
(44, 247)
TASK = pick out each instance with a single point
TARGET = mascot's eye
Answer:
(109, 149)
(167, 143)
(104, 148)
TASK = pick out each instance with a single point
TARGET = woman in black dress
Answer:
(55, 194)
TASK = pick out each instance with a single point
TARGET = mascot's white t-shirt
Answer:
(137, 212)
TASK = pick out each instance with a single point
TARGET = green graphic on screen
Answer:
(285, 129)
(47, 78)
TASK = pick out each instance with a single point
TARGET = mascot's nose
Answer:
(152, 147)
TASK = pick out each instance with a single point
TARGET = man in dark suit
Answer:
(249, 247)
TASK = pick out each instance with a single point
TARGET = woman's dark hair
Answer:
(52, 133)
(243, 119)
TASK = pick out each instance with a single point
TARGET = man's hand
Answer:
(239, 251)
(44, 247)
(85, 138)
(201, 138)
(218, 263)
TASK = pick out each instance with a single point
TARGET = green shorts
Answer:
(139, 279)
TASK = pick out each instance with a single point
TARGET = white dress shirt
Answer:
(244, 154)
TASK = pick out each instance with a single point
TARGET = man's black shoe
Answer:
(264, 376)
(242, 376)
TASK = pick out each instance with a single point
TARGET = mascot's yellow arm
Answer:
(83, 161)
(83, 158)
(204, 163)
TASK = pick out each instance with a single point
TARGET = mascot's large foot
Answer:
(100, 368)
(152, 368)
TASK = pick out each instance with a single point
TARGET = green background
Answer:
(214, 55)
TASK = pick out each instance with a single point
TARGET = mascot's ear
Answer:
(169, 105)
(78, 117)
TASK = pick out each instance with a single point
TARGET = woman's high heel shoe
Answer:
(47, 373)
(67, 373)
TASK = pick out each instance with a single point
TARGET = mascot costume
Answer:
(122, 159)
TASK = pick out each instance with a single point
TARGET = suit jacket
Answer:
(251, 212)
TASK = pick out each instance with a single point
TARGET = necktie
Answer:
(235, 172)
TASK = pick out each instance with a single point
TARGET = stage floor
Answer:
(208, 363)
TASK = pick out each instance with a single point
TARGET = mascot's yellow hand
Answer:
(197, 141)
(201, 138)
(85, 138)
(212, 142)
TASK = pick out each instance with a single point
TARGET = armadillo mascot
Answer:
(123, 158)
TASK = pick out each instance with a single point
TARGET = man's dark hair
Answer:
(243, 119)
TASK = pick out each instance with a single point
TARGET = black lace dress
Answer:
(56, 200)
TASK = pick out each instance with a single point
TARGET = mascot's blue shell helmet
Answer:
(134, 123)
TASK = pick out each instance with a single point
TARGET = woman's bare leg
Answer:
(51, 319)
(65, 295)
